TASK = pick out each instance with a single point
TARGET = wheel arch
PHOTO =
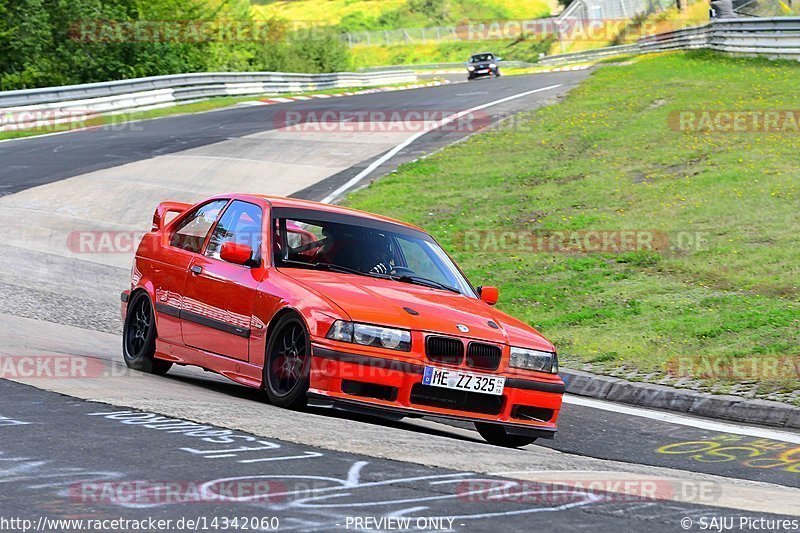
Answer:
(284, 311)
(270, 330)
(134, 294)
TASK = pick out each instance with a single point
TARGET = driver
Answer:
(376, 256)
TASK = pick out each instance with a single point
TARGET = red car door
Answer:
(170, 266)
(218, 297)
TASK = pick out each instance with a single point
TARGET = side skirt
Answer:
(241, 372)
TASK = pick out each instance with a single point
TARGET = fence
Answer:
(475, 31)
(611, 9)
(775, 38)
(28, 108)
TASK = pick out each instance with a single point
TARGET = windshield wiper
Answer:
(336, 268)
(321, 266)
(418, 280)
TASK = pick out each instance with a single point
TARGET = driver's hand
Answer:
(380, 268)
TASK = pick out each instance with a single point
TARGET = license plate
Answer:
(465, 381)
(483, 71)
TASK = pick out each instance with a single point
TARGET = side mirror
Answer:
(490, 295)
(233, 252)
(498, 58)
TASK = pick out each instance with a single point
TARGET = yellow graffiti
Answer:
(693, 447)
(756, 453)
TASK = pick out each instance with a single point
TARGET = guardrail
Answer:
(52, 105)
(588, 55)
(774, 37)
(472, 31)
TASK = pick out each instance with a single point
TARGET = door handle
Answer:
(196, 270)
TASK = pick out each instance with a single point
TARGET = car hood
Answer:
(384, 302)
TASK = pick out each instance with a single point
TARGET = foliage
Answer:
(371, 15)
(58, 42)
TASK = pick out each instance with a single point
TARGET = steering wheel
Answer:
(401, 270)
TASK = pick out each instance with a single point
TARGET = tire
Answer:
(496, 434)
(287, 363)
(139, 337)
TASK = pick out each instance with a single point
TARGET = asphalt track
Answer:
(112, 477)
(47, 159)
(55, 302)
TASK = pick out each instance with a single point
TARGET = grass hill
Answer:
(717, 300)
(364, 15)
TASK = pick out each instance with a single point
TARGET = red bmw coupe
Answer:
(318, 303)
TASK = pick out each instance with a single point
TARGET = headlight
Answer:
(369, 335)
(470, 68)
(492, 65)
(534, 360)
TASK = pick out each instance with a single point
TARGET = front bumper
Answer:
(392, 388)
(481, 72)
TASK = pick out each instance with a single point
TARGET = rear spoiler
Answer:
(167, 207)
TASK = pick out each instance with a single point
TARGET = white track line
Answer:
(683, 420)
(391, 153)
(671, 418)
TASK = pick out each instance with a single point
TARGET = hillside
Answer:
(361, 15)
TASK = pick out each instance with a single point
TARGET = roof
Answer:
(279, 201)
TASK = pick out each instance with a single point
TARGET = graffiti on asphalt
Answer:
(38, 473)
(5, 421)
(748, 451)
(239, 446)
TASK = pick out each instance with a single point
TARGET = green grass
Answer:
(445, 52)
(323, 11)
(332, 12)
(606, 159)
(368, 15)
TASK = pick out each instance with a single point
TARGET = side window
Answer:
(191, 232)
(240, 223)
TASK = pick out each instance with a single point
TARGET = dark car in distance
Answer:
(483, 64)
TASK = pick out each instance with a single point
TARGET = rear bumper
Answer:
(393, 388)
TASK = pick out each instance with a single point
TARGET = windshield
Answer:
(481, 57)
(403, 256)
